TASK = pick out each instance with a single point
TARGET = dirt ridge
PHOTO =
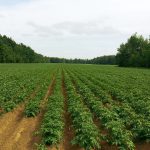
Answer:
(20, 130)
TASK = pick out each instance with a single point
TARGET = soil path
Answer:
(10, 120)
(17, 131)
(68, 131)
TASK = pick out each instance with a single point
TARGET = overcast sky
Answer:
(74, 28)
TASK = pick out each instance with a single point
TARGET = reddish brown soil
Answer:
(143, 146)
(10, 120)
(17, 131)
(68, 132)
(22, 134)
(1, 111)
(104, 144)
(37, 139)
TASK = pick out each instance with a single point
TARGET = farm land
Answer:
(74, 107)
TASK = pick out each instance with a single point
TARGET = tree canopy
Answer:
(134, 53)
(110, 59)
(98, 60)
(11, 52)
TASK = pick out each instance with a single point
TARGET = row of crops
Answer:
(23, 83)
(107, 105)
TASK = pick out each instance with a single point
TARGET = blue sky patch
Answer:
(11, 2)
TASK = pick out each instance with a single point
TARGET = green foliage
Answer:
(137, 124)
(119, 135)
(110, 60)
(130, 99)
(8, 106)
(86, 133)
(53, 124)
(136, 52)
(40, 146)
(32, 109)
(20, 82)
(11, 52)
(119, 99)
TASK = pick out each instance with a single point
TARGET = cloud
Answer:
(92, 28)
(86, 28)
(74, 28)
(44, 30)
(2, 16)
(27, 35)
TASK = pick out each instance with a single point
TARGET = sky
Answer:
(74, 28)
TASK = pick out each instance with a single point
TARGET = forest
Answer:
(11, 52)
(134, 53)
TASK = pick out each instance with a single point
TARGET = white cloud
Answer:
(1, 16)
(75, 28)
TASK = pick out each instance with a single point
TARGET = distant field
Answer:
(74, 107)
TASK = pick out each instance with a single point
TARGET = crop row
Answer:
(134, 122)
(32, 107)
(86, 132)
(118, 134)
(18, 84)
(52, 127)
(13, 94)
(135, 97)
(140, 104)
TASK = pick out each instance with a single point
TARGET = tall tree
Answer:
(136, 52)
(11, 52)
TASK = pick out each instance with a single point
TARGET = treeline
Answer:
(64, 60)
(98, 60)
(11, 52)
(110, 59)
(134, 53)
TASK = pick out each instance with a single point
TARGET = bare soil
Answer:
(17, 131)
(68, 131)
(143, 146)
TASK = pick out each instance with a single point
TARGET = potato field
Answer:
(74, 107)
